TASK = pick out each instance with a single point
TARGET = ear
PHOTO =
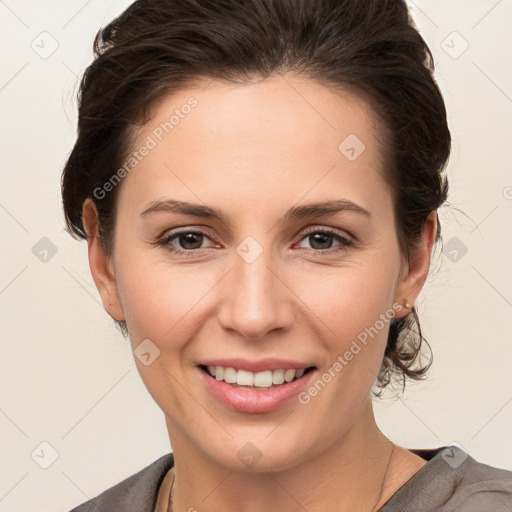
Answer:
(100, 263)
(415, 272)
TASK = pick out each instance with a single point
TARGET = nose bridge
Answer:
(255, 299)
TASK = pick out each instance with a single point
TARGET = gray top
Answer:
(451, 481)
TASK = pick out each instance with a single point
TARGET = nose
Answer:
(256, 298)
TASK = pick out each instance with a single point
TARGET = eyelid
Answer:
(325, 229)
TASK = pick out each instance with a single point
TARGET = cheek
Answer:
(159, 300)
(349, 299)
(354, 309)
(161, 304)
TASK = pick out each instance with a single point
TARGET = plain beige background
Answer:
(67, 376)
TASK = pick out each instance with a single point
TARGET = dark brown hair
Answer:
(368, 47)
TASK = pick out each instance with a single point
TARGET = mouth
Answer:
(260, 392)
(258, 381)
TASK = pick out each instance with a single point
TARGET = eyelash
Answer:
(345, 242)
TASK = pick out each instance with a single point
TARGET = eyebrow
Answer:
(296, 212)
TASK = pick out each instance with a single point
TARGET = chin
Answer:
(260, 453)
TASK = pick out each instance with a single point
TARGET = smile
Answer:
(254, 392)
(264, 380)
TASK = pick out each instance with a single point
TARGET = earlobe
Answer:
(100, 262)
(412, 282)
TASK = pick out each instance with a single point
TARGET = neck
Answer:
(353, 473)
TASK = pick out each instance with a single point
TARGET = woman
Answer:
(258, 184)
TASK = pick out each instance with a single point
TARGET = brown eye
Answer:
(190, 240)
(185, 241)
(323, 239)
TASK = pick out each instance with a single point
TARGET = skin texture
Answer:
(255, 151)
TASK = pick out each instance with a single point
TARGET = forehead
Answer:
(285, 133)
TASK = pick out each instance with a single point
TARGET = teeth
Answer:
(244, 378)
(230, 375)
(289, 375)
(263, 379)
(277, 376)
(219, 372)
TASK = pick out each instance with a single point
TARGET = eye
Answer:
(321, 240)
(185, 241)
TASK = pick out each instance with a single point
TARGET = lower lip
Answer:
(252, 401)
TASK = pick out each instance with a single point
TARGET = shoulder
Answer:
(453, 481)
(137, 493)
(479, 486)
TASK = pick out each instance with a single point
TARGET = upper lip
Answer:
(257, 366)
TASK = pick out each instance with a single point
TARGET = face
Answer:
(252, 277)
